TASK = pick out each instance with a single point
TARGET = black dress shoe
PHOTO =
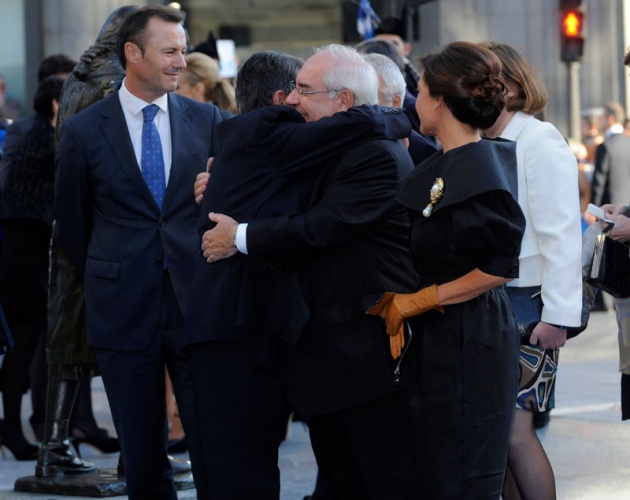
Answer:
(22, 453)
(57, 460)
(98, 438)
(22, 450)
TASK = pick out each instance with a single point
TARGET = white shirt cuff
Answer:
(241, 238)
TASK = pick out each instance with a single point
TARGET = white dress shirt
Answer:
(132, 108)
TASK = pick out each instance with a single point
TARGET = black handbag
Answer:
(610, 270)
(527, 306)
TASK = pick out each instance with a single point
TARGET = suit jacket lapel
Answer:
(117, 135)
(181, 129)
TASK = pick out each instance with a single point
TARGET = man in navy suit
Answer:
(347, 243)
(133, 240)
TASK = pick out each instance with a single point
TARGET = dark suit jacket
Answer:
(420, 148)
(115, 235)
(16, 131)
(353, 242)
(261, 152)
(409, 105)
(611, 178)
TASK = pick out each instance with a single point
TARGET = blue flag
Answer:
(366, 19)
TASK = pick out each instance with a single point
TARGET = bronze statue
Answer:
(70, 359)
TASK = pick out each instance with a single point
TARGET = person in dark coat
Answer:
(332, 256)
(389, 50)
(394, 30)
(60, 65)
(26, 211)
(391, 89)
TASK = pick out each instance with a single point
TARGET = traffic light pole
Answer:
(573, 69)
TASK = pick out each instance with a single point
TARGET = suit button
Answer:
(161, 222)
(273, 265)
(514, 268)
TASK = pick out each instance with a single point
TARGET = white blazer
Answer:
(548, 195)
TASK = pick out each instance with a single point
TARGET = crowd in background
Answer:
(434, 277)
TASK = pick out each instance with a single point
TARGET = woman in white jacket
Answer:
(550, 264)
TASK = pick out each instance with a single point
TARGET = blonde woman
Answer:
(201, 81)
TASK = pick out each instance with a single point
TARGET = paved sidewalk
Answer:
(586, 440)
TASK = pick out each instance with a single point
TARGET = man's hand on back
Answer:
(201, 182)
(218, 243)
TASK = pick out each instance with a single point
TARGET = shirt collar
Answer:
(515, 125)
(616, 128)
(135, 105)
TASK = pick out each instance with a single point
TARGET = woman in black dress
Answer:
(465, 237)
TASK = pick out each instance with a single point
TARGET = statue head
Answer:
(98, 72)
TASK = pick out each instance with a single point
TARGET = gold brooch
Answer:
(436, 193)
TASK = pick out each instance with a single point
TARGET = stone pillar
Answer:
(71, 26)
(62, 27)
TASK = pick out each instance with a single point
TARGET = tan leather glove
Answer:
(395, 307)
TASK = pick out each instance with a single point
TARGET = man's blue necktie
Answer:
(152, 161)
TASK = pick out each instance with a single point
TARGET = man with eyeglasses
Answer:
(336, 368)
(230, 340)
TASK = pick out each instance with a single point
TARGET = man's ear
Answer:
(397, 101)
(346, 99)
(132, 52)
(407, 49)
(279, 97)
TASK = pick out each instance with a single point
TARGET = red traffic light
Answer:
(572, 23)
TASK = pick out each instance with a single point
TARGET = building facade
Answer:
(44, 27)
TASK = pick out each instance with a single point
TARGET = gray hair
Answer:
(393, 82)
(350, 71)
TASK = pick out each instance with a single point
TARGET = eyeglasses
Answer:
(293, 86)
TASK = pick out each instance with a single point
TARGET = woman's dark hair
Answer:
(48, 89)
(55, 64)
(135, 25)
(468, 78)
